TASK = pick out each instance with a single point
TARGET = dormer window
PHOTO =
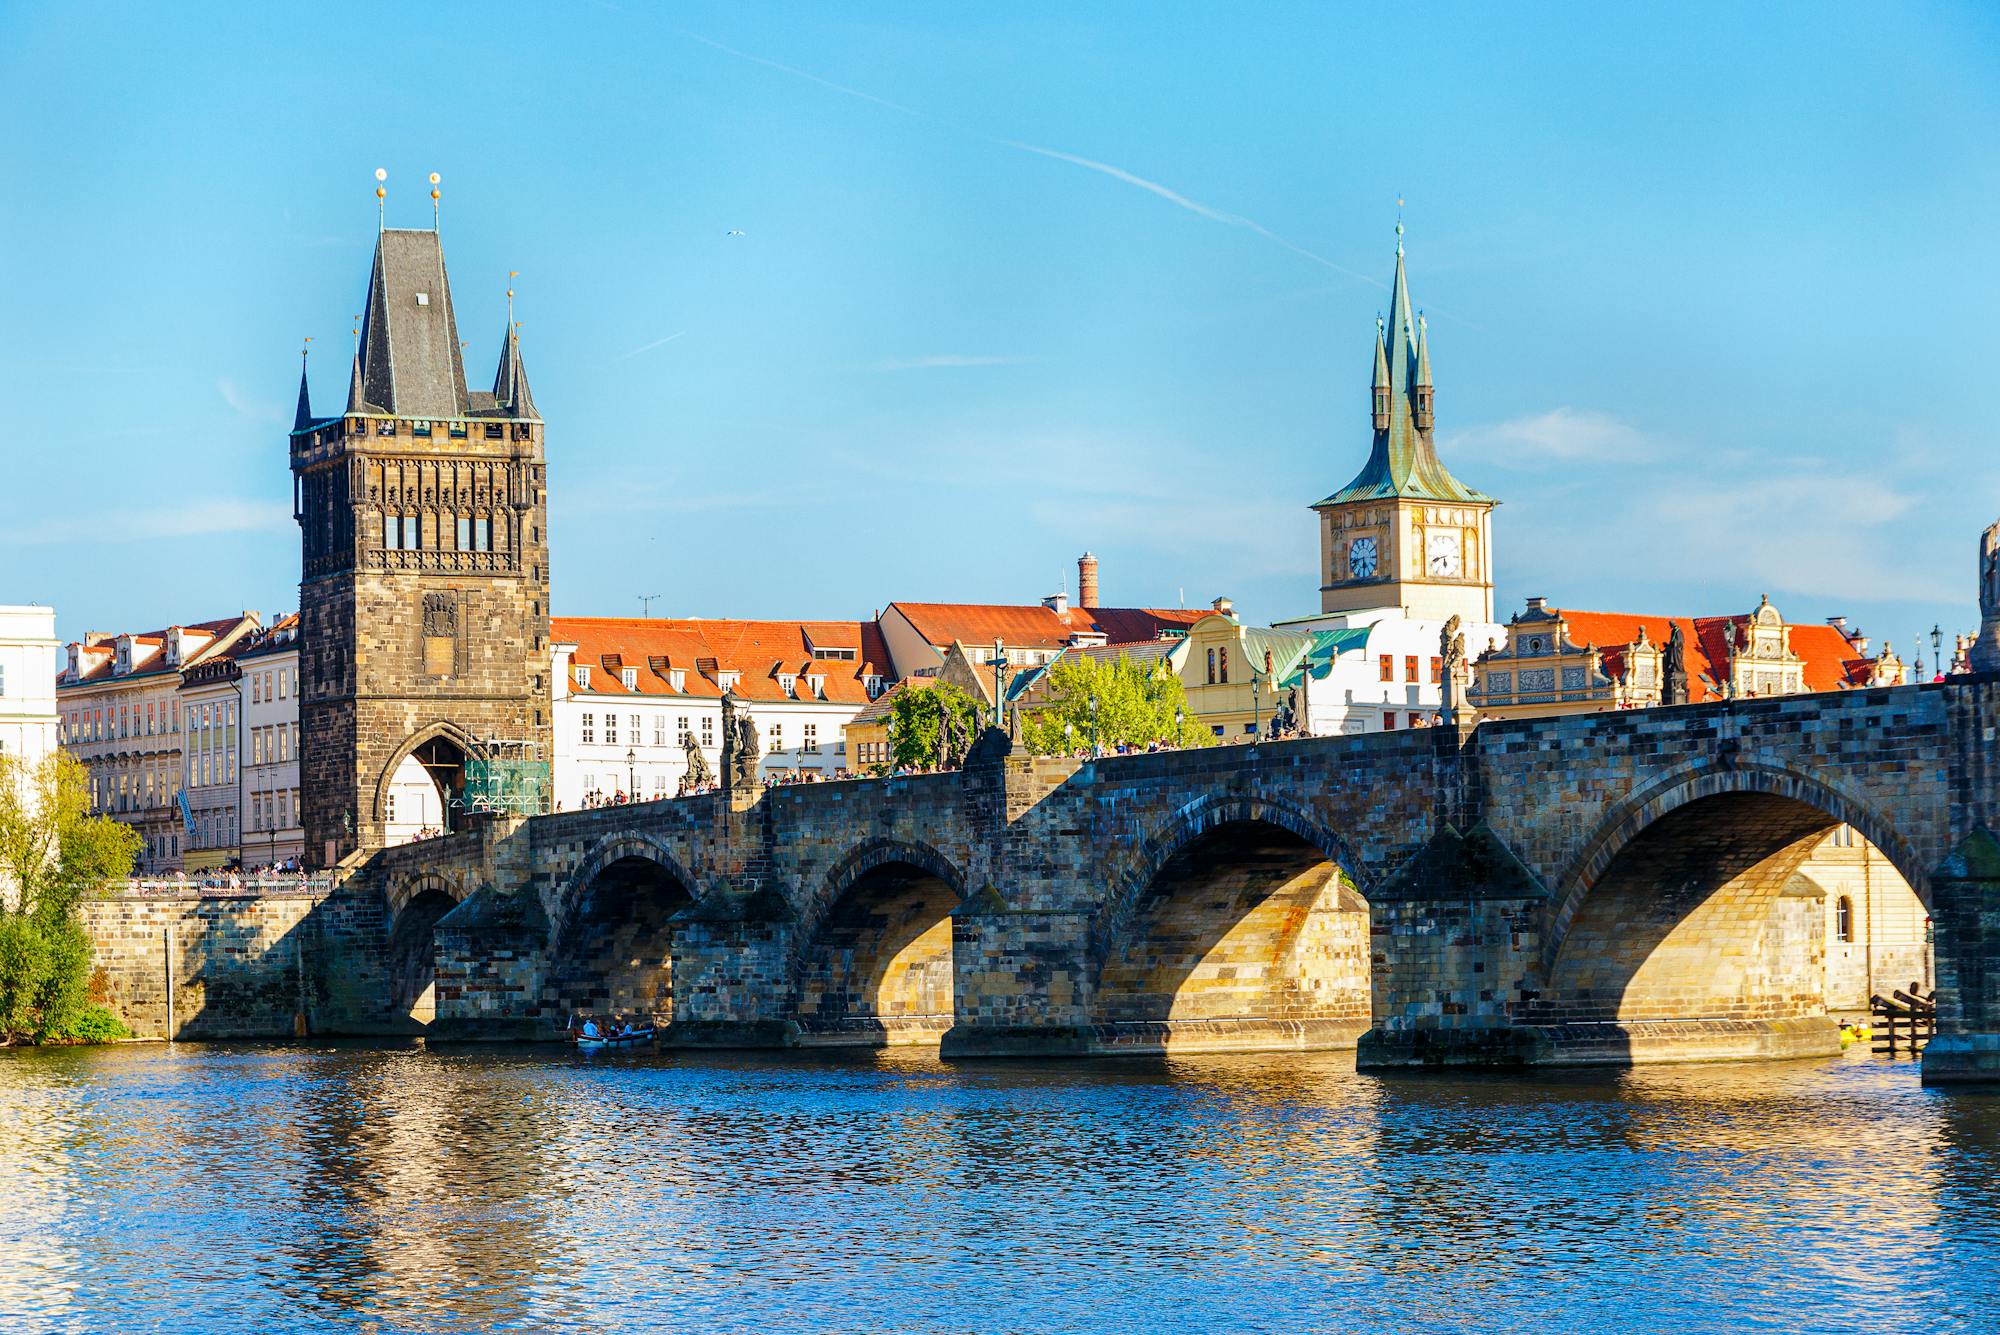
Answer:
(788, 683)
(580, 675)
(677, 678)
(874, 684)
(629, 676)
(727, 680)
(817, 685)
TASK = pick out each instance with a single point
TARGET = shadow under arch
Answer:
(1693, 783)
(1240, 930)
(437, 731)
(415, 909)
(611, 933)
(874, 965)
(1686, 929)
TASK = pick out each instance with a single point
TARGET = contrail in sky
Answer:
(654, 344)
(1172, 196)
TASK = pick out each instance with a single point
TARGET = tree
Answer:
(1116, 701)
(52, 853)
(919, 712)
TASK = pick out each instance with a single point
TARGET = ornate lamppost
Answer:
(631, 774)
(1937, 648)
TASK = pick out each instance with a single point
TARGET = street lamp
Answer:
(1937, 647)
(631, 774)
(1179, 716)
(1095, 749)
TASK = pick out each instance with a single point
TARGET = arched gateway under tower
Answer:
(424, 578)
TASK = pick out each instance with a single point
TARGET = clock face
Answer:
(1441, 550)
(1361, 558)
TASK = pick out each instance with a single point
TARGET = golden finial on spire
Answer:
(512, 274)
(306, 349)
(435, 196)
(357, 333)
(381, 198)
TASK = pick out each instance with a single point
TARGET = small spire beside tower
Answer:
(303, 418)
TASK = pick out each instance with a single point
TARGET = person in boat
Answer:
(590, 1029)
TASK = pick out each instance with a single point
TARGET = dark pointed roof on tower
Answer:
(510, 381)
(1402, 461)
(303, 418)
(411, 364)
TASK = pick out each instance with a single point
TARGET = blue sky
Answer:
(1711, 291)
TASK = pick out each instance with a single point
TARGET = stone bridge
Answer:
(1593, 888)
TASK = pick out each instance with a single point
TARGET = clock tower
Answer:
(1405, 533)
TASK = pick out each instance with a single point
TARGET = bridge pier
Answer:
(1965, 908)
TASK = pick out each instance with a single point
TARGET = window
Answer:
(1843, 919)
(611, 730)
(392, 808)
(707, 730)
(777, 736)
(1216, 729)
(811, 740)
(1437, 670)
(256, 691)
(726, 680)
(632, 729)
(1222, 662)
(788, 683)
(589, 733)
(677, 678)
(1388, 720)
(659, 730)
(1388, 667)
(1250, 728)
(1211, 667)
(874, 686)
(581, 676)
(681, 730)
(659, 785)
(1409, 667)
(629, 677)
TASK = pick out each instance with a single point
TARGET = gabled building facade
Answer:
(120, 702)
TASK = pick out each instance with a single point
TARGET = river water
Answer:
(368, 1188)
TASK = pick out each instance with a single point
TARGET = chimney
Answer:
(1224, 606)
(1538, 604)
(1086, 580)
(1058, 603)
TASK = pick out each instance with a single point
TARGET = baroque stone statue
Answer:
(1451, 648)
(698, 775)
(740, 744)
(1673, 669)
(1985, 655)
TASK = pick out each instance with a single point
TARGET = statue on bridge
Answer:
(740, 744)
(1451, 648)
(1985, 654)
(697, 775)
(1674, 670)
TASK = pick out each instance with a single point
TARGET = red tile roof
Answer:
(211, 630)
(1827, 658)
(1038, 626)
(757, 650)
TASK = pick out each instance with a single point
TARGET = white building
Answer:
(268, 754)
(211, 772)
(28, 650)
(627, 691)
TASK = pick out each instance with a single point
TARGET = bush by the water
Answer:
(52, 853)
(94, 1024)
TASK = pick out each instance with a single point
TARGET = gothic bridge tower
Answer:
(424, 589)
(1405, 532)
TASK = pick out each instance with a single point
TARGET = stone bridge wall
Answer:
(1475, 853)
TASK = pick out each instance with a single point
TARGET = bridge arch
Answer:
(611, 933)
(874, 961)
(1239, 926)
(415, 907)
(1690, 906)
(442, 748)
(1695, 782)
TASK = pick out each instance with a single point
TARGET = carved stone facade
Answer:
(424, 599)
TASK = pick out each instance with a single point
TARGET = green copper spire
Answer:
(1402, 461)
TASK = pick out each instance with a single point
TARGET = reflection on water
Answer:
(313, 1187)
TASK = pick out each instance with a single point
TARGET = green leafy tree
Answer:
(916, 717)
(52, 853)
(1116, 701)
